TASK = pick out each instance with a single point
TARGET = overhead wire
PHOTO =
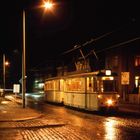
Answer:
(76, 47)
(119, 44)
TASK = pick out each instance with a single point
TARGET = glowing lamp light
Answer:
(108, 72)
(108, 78)
(118, 96)
(99, 96)
(48, 5)
(109, 102)
(6, 63)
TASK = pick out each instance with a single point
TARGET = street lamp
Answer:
(48, 5)
(5, 63)
(23, 63)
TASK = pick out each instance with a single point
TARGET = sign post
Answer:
(125, 76)
(16, 89)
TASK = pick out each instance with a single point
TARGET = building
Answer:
(125, 60)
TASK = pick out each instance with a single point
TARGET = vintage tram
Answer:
(89, 91)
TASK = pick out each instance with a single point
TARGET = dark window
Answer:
(115, 61)
(109, 85)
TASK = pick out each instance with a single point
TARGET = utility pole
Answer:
(23, 64)
(3, 74)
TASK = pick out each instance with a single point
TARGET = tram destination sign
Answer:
(125, 78)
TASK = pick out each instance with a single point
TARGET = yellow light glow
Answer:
(108, 72)
(102, 89)
(6, 63)
(110, 129)
(108, 78)
(99, 96)
(1, 90)
(9, 97)
(137, 77)
(48, 5)
(4, 102)
(118, 96)
(109, 102)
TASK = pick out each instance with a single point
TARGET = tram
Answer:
(89, 91)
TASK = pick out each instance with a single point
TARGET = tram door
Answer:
(75, 92)
(61, 87)
(91, 93)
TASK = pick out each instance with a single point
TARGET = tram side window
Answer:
(75, 84)
(108, 85)
(56, 85)
(61, 85)
(91, 84)
(49, 85)
(136, 88)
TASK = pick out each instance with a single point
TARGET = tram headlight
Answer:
(118, 96)
(109, 102)
(99, 96)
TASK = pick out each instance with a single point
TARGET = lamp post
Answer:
(48, 5)
(5, 63)
(23, 63)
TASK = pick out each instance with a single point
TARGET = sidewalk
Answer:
(18, 123)
(129, 107)
(11, 111)
(9, 106)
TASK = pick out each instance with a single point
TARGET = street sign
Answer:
(16, 88)
(125, 78)
(20, 80)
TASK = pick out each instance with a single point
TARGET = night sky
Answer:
(72, 22)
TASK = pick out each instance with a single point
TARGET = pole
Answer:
(23, 64)
(3, 74)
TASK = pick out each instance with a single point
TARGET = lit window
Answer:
(75, 84)
(137, 81)
(137, 61)
(90, 86)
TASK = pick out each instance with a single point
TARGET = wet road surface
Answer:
(95, 125)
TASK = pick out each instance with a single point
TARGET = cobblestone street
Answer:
(28, 124)
(51, 122)
(39, 129)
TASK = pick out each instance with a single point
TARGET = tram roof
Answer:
(73, 74)
(80, 74)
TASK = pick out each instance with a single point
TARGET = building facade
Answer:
(126, 62)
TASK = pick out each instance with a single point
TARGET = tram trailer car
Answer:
(88, 91)
(54, 90)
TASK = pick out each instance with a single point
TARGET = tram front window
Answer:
(108, 86)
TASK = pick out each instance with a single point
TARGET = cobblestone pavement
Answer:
(17, 123)
(57, 133)
(40, 129)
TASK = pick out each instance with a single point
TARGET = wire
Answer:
(76, 47)
(119, 44)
